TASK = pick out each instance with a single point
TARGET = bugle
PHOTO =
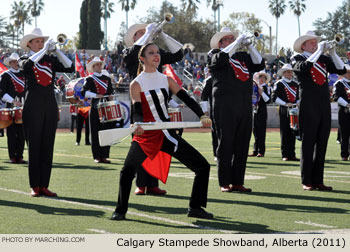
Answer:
(62, 39)
(338, 40)
(168, 19)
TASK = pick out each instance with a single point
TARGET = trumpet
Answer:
(62, 39)
(256, 36)
(338, 40)
(168, 19)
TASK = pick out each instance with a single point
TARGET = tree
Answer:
(20, 15)
(126, 6)
(337, 22)
(82, 41)
(35, 7)
(297, 6)
(2, 31)
(94, 33)
(106, 10)
(277, 8)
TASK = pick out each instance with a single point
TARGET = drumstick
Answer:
(112, 136)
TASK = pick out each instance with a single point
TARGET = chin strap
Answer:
(173, 45)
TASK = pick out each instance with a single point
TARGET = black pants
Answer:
(315, 126)
(259, 130)
(344, 123)
(40, 116)
(15, 140)
(233, 124)
(287, 136)
(185, 153)
(80, 123)
(98, 152)
(73, 119)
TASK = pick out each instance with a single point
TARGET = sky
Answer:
(63, 16)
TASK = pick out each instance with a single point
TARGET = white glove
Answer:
(322, 46)
(148, 36)
(63, 59)
(173, 45)
(38, 56)
(339, 64)
(254, 54)
(231, 48)
(7, 98)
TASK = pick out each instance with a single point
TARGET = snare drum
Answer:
(73, 90)
(109, 111)
(175, 114)
(294, 120)
(6, 118)
(17, 115)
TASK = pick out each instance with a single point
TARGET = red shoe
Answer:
(344, 158)
(21, 161)
(252, 154)
(140, 191)
(308, 187)
(240, 188)
(35, 192)
(260, 155)
(226, 188)
(13, 161)
(156, 191)
(322, 187)
(106, 161)
(47, 192)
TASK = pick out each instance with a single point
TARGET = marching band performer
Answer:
(342, 96)
(286, 95)
(137, 36)
(12, 87)
(40, 111)
(260, 112)
(311, 67)
(231, 71)
(153, 149)
(96, 86)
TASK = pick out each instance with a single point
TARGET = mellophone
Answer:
(10, 115)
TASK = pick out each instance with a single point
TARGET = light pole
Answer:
(218, 4)
(270, 31)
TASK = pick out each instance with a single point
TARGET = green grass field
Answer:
(88, 193)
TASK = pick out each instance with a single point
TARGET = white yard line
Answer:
(152, 217)
(309, 223)
(99, 231)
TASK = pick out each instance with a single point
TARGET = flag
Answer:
(169, 71)
(2, 68)
(79, 67)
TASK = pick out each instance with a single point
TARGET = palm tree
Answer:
(20, 15)
(35, 7)
(126, 6)
(106, 10)
(277, 8)
(297, 6)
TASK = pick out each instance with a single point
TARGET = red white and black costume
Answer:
(315, 110)
(286, 91)
(153, 149)
(12, 86)
(342, 96)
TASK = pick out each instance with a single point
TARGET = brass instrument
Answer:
(168, 19)
(249, 39)
(62, 39)
(338, 40)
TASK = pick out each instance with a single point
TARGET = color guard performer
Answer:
(40, 111)
(342, 96)
(263, 96)
(286, 95)
(153, 149)
(232, 72)
(137, 36)
(311, 66)
(12, 87)
(96, 86)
